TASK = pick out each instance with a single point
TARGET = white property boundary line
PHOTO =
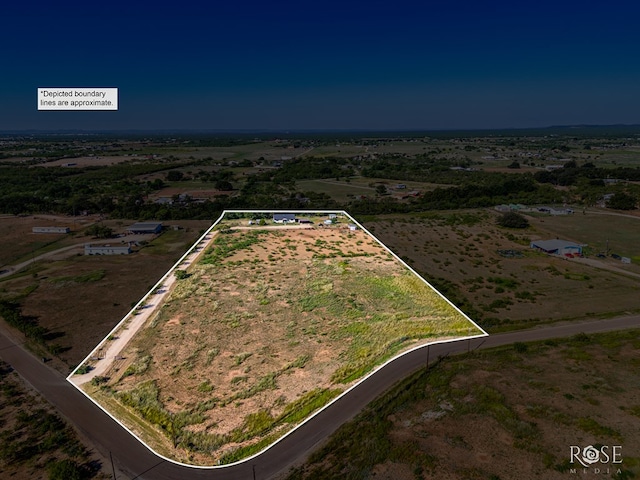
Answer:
(309, 418)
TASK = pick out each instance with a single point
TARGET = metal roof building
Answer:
(106, 249)
(557, 246)
(145, 227)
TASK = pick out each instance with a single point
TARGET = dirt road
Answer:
(108, 351)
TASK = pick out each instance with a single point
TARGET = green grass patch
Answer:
(92, 276)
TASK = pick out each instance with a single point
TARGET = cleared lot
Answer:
(267, 327)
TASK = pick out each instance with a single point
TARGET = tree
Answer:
(99, 231)
(223, 185)
(381, 189)
(622, 201)
(513, 220)
(174, 175)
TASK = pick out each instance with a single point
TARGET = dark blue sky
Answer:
(325, 65)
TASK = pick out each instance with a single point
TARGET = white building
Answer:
(106, 249)
(50, 229)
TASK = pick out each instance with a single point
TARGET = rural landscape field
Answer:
(230, 375)
(268, 325)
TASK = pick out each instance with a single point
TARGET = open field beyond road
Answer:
(510, 413)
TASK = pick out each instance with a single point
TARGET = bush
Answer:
(513, 220)
(99, 231)
(65, 470)
(181, 274)
(84, 369)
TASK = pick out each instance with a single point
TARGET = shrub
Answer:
(65, 470)
(181, 274)
(513, 220)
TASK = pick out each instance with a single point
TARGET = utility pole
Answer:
(113, 469)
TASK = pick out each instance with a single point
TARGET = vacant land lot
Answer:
(269, 326)
(460, 252)
(507, 413)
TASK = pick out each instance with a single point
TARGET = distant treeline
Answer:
(118, 191)
(501, 189)
(570, 173)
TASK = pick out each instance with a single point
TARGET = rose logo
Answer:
(590, 455)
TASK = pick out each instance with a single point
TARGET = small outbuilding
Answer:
(50, 229)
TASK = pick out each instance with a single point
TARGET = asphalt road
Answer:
(133, 458)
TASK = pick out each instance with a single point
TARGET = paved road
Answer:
(138, 462)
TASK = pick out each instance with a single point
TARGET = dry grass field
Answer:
(79, 298)
(18, 243)
(270, 325)
(509, 413)
(460, 252)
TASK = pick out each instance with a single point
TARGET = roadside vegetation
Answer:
(35, 442)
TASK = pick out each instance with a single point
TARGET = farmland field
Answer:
(269, 325)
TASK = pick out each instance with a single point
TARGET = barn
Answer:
(50, 229)
(145, 227)
(106, 249)
(557, 247)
